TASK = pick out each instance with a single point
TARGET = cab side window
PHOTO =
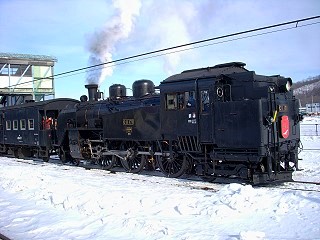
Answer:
(171, 101)
(181, 100)
(205, 101)
(190, 99)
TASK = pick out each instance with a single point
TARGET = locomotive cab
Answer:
(243, 124)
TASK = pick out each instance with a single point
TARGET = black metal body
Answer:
(221, 121)
(236, 120)
(23, 130)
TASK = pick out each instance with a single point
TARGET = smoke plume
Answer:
(101, 44)
(171, 24)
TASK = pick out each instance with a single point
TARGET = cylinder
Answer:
(92, 91)
(117, 91)
(142, 87)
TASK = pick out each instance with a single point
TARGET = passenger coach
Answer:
(29, 129)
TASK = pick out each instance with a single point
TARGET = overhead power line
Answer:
(190, 48)
(93, 67)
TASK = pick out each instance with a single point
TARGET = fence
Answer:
(313, 130)
(310, 129)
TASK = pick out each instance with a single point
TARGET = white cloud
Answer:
(56, 28)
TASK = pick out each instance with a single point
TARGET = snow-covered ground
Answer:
(53, 201)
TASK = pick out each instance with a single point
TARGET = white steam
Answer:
(172, 22)
(101, 43)
(164, 24)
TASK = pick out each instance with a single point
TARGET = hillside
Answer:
(308, 90)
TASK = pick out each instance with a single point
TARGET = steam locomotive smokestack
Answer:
(92, 91)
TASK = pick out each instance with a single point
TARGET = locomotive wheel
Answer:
(16, 152)
(43, 154)
(65, 157)
(132, 162)
(209, 178)
(75, 161)
(191, 167)
(173, 167)
(26, 152)
(107, 162)
(62, 156)
(209, 174)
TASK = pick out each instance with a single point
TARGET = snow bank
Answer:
(53, 201)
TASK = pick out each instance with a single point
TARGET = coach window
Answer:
(171, 101)
(23, 124)
(205, 103)
(15, 124)
(8, 125)
(30, 124)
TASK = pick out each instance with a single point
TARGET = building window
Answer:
(23, 124)
(15, 124)
(16, 70)
(30, 124)
(8, 125)
(5, 70)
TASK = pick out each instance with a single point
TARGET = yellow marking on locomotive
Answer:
(275, 116)
(129, 130)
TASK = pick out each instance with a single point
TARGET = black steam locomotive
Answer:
(221, 121)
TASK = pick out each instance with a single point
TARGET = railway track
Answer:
(296, 186)
(306, 182)
(190, 181)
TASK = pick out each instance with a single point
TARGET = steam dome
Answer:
(142, 87)
(117, 90)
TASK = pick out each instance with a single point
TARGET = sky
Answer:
(80, 33)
